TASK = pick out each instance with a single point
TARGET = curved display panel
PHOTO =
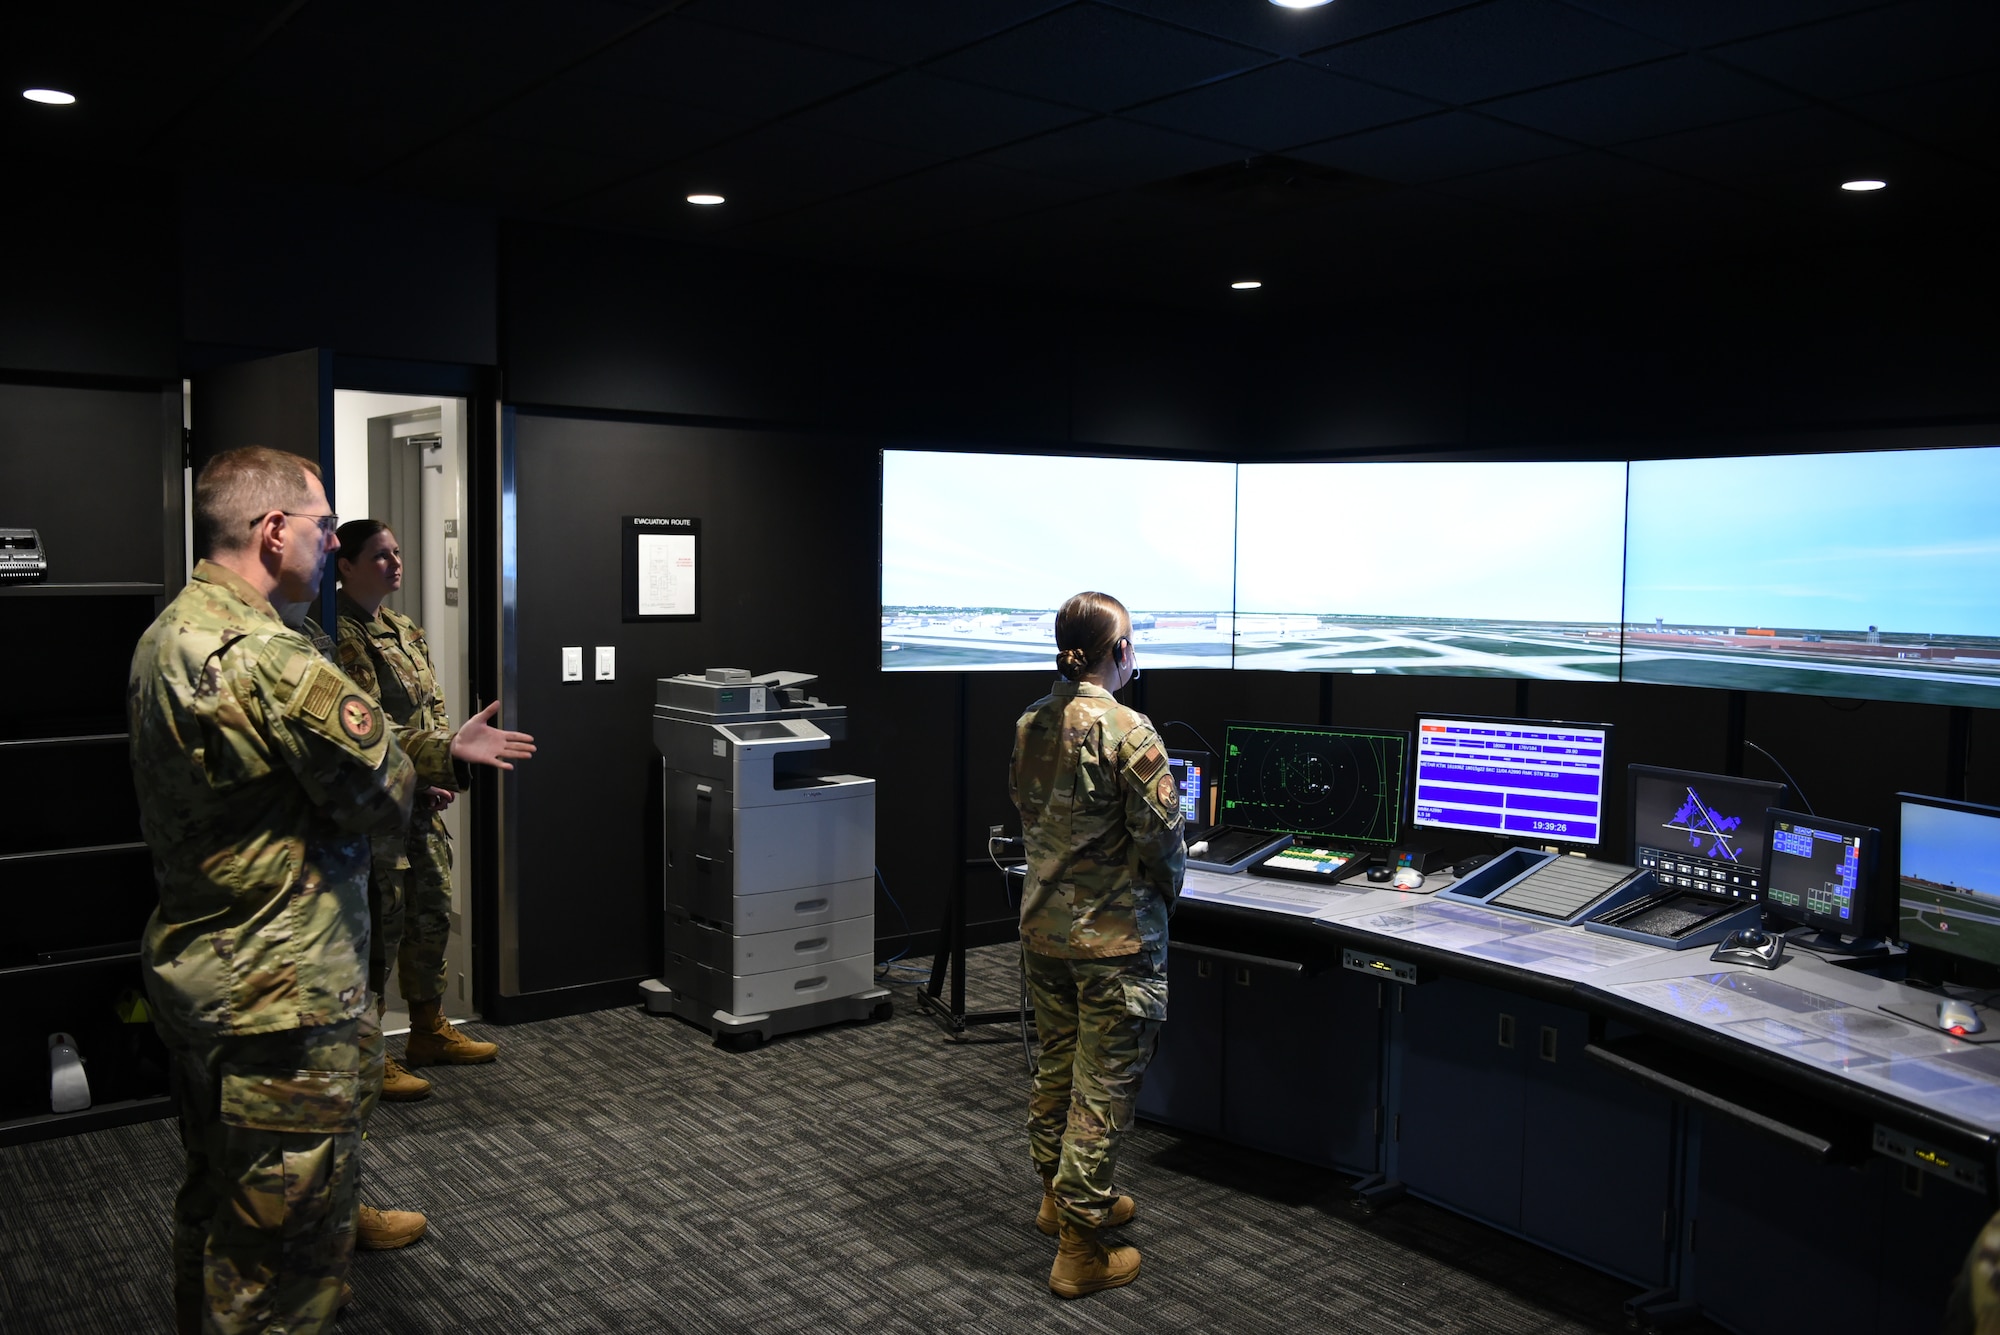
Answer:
(979, 550)
(1449, 569)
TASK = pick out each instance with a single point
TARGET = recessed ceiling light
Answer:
(1249, 283)
(704, 199)
(1863, 185)
(48, 95)
(1300, 4)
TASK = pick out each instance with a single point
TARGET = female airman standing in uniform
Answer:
(410, 881)
(1101, 820)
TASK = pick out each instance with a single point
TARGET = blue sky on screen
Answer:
(1953, 847)
(1494, 541)
(1011, 530)
(1908, 541)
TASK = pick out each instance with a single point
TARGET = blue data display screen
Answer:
(1187, 774)
(1814, 874)
(1522, 778)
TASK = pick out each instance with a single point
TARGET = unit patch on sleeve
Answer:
(1149, 762)
(359, 720)
(1170, 792)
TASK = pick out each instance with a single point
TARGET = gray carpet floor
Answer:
(618, 1172)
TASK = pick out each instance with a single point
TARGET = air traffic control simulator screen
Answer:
(1948, 895)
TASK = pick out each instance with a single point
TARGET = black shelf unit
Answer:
(76, 880)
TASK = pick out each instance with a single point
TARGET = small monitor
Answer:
(1701, 832)
(1535, 779)
(1821, 872)
(1316, 782)
(1194, 774)
(1948, 880)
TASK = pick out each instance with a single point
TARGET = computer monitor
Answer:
(1948, 877)
(1701, 831)
(1541, 780)
(1314, 781)
(1194, 774)
(1821, 872)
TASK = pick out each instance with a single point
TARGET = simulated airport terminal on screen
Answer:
(1530, 778)
(1460, 569)
(1872, 575)
(1948, 881)
(979, 550)
(1701, 831)
(1336, 783)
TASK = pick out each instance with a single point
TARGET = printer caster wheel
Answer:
(883, 1011)
(744, 1042)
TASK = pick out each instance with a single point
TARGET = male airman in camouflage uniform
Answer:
(261, 769)
(1101, 818)
(410, 884)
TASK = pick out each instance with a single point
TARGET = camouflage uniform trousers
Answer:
(1098, 1021)
(409, 911)
(1974, 1305)
(271, 1124)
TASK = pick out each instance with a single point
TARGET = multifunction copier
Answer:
(769, 860)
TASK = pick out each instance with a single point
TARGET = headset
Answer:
(1121, 653)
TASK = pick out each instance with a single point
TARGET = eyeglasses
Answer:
(327, 523)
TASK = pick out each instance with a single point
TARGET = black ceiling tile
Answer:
(1660, 98)
(1090, 56)
(1111, 151)
(1960, 114)
(1453, 143)
(1914, 42)
(594, 115)
(1281, 105)
(1808, 137)
(954, 195)
(507, 173)
(330, 79)
(1686, 23)
(777, 169)
(1490, 50)
(1560, 183)
(946, 116)
(702, 65)
(1286, 31)
(899, 31)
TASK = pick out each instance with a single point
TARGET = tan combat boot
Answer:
(385, 1230)
(1085, 1265)
(1122, 1209)
(399, 1085)
(436, 1041)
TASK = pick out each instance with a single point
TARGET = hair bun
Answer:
(1070, 662)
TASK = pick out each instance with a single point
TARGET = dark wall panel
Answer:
(788, 537)
(112, 530)
(275, 266)
(90, 285)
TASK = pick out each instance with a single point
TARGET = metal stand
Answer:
(952, 1017)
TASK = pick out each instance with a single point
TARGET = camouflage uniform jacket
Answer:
(260, 769)
(1102, 820)
(389, 657)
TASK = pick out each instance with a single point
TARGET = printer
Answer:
(768, 860)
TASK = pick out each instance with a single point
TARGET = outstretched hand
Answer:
(480, 743)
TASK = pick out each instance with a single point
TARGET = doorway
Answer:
(401, 458)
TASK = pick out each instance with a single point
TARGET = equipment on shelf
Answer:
(22, 558)
(769, 861)
(69, 1087)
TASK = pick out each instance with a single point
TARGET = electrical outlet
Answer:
(572, 662)
(995, 831)
(607, 662)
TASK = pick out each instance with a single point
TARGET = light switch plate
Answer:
(572, 662)
(607, 662)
